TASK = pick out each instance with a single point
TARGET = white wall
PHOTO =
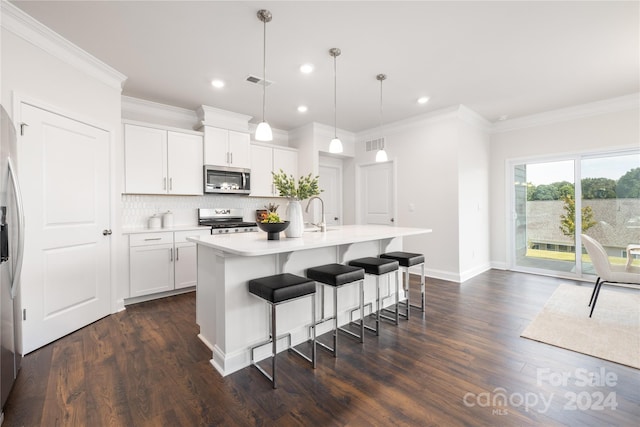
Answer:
(31, 72)
(442, 169)
(473, 200)
(583, 130)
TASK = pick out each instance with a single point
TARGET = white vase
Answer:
(296, 221)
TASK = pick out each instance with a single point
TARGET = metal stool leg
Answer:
(274, 342)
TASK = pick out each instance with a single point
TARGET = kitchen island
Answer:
(231, 320)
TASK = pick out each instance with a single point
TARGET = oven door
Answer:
(226, 180)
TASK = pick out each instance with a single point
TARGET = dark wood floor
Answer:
(145, 366)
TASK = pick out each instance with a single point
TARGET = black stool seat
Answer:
(281, 287)
(406, 259)
(377, 266)
(335, 274)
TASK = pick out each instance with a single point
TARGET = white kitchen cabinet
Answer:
(186, 260)
(162, 261)
(150, 263)
(266, 159)
(162, 161)
(224, 147)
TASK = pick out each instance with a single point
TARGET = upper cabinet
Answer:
(162, 161)
(266, 159)
(224, 147)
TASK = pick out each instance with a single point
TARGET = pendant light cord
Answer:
(381, 107)
(335, 99)
(264, 68)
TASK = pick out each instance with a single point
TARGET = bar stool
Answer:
(406, 260)
(379, 267)
(276, 290)
(338, 276)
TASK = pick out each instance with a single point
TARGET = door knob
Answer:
(106, 232)
(392, 220)
(335, 218)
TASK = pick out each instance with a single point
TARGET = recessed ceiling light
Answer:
(302, 109)
(217, 83)
(306, 68)
(503, 117)
(423, 100)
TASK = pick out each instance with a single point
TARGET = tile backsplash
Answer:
(136, 209)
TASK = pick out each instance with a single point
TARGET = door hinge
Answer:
(22, 126)
(24, 314)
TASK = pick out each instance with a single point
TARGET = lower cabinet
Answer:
(163, 261)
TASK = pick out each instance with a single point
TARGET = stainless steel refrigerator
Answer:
(11, 252)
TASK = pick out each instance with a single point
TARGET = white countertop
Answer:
(256, 244)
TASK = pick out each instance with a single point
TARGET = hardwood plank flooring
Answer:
(146, 367)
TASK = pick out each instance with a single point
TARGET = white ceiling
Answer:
(497, 58)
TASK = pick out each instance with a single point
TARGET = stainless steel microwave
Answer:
(226, 180)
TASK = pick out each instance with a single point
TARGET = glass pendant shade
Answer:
(335, 146)
(263, 132)
(381, 155)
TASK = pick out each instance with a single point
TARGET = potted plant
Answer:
(295, 191)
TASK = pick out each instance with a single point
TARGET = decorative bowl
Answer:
(273, 229)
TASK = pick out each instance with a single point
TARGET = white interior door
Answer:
(378, 193)
(331, 183)
(64, 170)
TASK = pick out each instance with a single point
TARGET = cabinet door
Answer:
(151, 269)
(184, 163)
(239, 148)
(287, 160)
(145, 162)
(261, 167)
(186, 267)
(216, 146)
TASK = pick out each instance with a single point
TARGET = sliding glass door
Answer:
(550, 211)
(611, 204)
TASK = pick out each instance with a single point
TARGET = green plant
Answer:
(272, 218)
(305, 187)
(271, 207)
(567, 221)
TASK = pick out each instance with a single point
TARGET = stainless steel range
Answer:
(225, 221)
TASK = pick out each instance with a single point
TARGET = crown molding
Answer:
(136, 106)
(14, 20)
(216, 117)
(621, 103)
(412, 122)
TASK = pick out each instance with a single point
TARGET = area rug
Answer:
(613, 333)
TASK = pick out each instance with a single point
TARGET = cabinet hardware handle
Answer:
(170, 184)
(106, 232)
(171, 254)
(228, 157)
(177, 254)
(154, 238)
(231, 155)
(164, 183)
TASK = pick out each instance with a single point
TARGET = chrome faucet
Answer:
(322, 224)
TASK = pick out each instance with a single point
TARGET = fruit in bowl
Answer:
(273, 225)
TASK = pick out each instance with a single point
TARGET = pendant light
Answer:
(381, 155)
(335, 146)
(263, 131)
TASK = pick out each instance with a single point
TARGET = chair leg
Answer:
(422, 290)
(397, 297)
(596, 298)
(362, 311)
(313, 322)
(274, 345)
(335, 322)
(594, 291)
(378, 305)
